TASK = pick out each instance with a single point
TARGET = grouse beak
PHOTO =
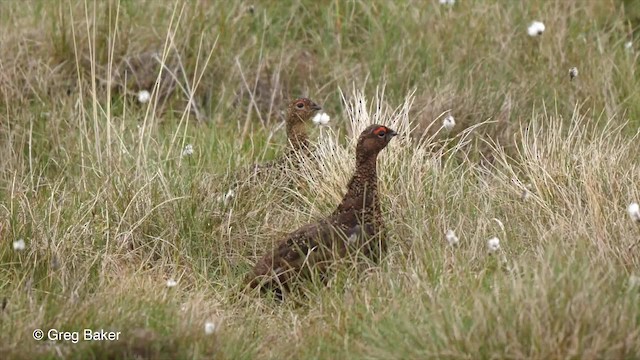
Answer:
(391, 134)
(316, 107)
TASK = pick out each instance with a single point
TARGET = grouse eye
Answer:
(381, 133)
(300, 105)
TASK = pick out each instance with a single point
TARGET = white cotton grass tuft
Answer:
(352, 239)
(493, 244)
(628, 46)
(448, 123)
(19, 245)
(451, 237)
(447, 2)
(536, 28)
(321, 118)
(209, 327)
(227, 197)
(171, 283)
(573, 73)
(634, 211)
(188, 150)
(143, 96)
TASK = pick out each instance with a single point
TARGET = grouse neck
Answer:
(365, 179)
(297, 134)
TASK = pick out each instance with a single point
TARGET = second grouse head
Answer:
(373, 139)
(302, 109)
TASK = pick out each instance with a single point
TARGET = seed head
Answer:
(493, 244)
(634, 211)
(188, 150)
(143, 96)
(448, 122)
(536, 28)
(209, 328)
(352, 239)
(321, 119)
(451, 237)
(226, 197)
(171, 283)
(19, 245)
(573, 73)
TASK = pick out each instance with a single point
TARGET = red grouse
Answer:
(299, 114)
(355, 224)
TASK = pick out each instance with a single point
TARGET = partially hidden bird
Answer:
(355, 225)
(299, 114)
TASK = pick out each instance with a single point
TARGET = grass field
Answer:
(111, 212)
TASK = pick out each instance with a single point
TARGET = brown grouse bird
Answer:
(299, 114)
(356, 224)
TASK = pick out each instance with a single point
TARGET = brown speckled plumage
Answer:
(299, 114)
(356, 223)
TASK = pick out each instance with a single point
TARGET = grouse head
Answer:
(372, 140)
(301, 110)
